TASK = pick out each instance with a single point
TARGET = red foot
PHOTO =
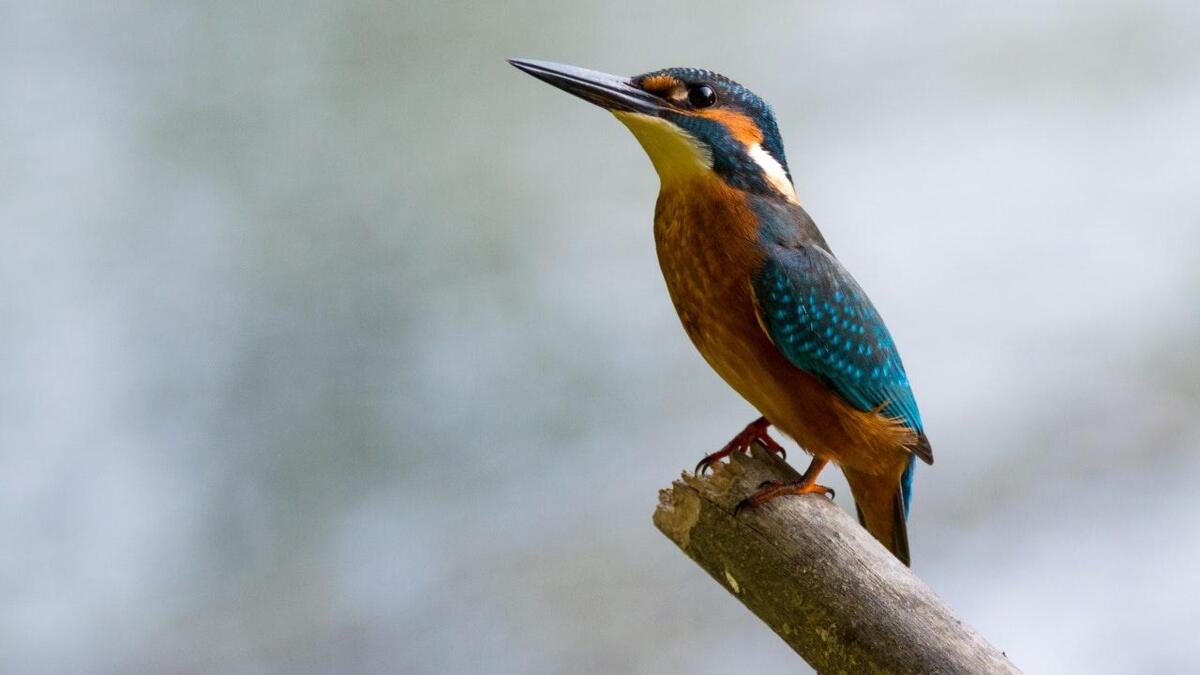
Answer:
(771, 489)
(756, 431)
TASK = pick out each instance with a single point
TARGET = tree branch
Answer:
(819, 580)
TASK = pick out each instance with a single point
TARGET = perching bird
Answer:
(761, 294)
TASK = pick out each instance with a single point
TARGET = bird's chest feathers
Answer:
(707, 240)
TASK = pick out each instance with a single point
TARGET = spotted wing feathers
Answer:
(824, 324)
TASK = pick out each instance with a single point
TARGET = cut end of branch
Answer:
(678, 512)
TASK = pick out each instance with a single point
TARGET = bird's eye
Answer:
(702, 96)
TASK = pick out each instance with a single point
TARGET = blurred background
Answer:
(332, 343)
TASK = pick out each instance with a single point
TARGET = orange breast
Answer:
(707, 241)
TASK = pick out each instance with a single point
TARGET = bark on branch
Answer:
(811, 573)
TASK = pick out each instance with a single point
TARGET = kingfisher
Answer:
(760, 293)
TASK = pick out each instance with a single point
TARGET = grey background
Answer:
(332, 343)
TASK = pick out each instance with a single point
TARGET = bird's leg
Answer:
(755, 431)
(773, 488)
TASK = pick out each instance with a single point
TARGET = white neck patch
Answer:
(773, 170)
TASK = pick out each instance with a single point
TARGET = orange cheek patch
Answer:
(740, 126)
(659, 83)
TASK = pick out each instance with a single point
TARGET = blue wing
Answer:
(823, 322)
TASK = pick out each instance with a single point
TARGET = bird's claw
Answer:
(754, 432)
(771, 489)
(772, 446)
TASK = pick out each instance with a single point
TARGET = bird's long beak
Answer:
(610, 92)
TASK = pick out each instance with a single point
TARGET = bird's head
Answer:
(691, 122)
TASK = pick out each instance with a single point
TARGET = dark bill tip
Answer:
(611, 92)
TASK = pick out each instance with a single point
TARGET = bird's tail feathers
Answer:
(880, 504)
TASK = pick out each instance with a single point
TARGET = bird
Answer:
(760, 293)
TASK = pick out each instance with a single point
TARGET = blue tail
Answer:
(906, 483)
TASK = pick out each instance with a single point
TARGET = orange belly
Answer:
(708, 250)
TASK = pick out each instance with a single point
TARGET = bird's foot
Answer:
(773, 488)
(806, 485)
(756, 431)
